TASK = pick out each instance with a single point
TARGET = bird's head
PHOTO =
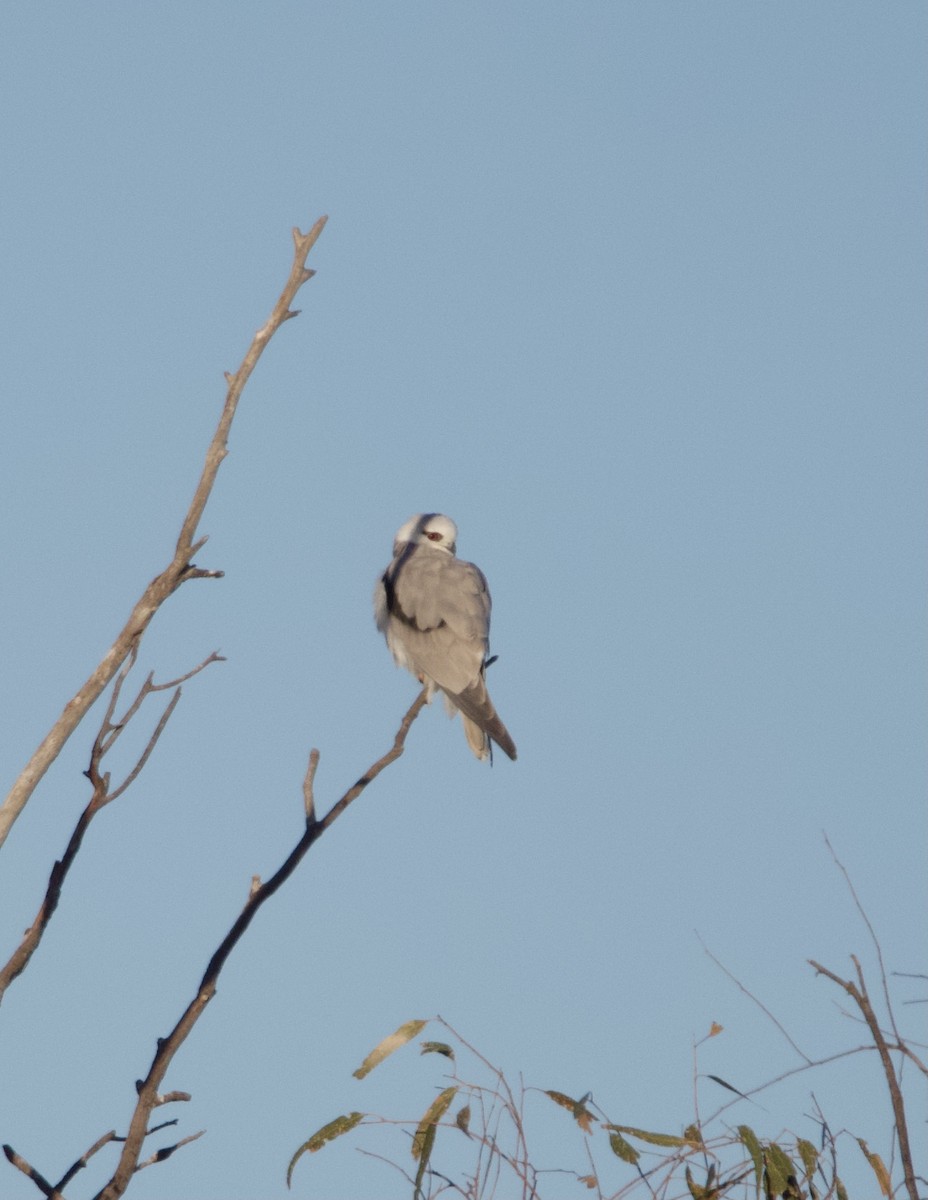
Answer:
(429, 529)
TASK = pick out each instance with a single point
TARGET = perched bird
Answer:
(434, 611)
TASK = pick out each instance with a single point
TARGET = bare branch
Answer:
(180, 568)
(873, 938)
(168, 1046)
(858, 993)
(83, 1160)
(766, 1011)
(23, 953)
(110, 730)
(107, 725)
(146, 753)
(102, 795)
(391, 756)
(27, 1169)
(309, 803)
(215, 656)
(167, 1151)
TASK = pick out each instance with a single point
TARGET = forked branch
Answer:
(149, 1097)
(107, 735)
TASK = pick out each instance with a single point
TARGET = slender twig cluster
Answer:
(709, 1160)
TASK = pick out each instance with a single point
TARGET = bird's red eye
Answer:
(433, 536)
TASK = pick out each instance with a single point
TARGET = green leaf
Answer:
(462, 1120)
(779, 1168)
(425, 1150)
(384, 1049)
(722, 1083)
(437, 1048)
(749, 1138)
(879, 1167)
(697, 1192)
(692, 1135)
(430, 1118)
(621, 1148)
(327, 1133)
(840, 1189)
(809, 1155)
(653, 1139)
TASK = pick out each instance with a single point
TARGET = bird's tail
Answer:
(480, 720)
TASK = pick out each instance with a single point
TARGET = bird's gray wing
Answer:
(435, 612)
(439, 615)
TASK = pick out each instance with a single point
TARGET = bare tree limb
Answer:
(102, 795)
(167, 1151)
(858, 993)
(168, 1046)
(84, 1159)
(180, 568)
(27, 1169)
(873, 938)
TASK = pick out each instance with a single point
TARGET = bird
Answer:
(434, 611)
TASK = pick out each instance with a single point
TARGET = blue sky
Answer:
(636, 293)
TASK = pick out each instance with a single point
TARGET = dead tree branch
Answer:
(166, 1151)
(84, 1159)
(858, 993)
(102, 795)
(180, 568)
(149, 1097)
(28, 1170)
(168, 1047)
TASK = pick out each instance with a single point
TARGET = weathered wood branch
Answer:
(180, 568)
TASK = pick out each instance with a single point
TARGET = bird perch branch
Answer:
(168, 1046)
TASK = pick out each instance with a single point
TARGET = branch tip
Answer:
(309, 803)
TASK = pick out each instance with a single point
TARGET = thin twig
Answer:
(167, 1151)
(146, 753)
(749, 1093)
(179, 569)
(872, 931)
(309, 803)
(110, 730)
(107, 725)
(102, 795)
(84, 1158)
(750, 995)
(371, 774)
